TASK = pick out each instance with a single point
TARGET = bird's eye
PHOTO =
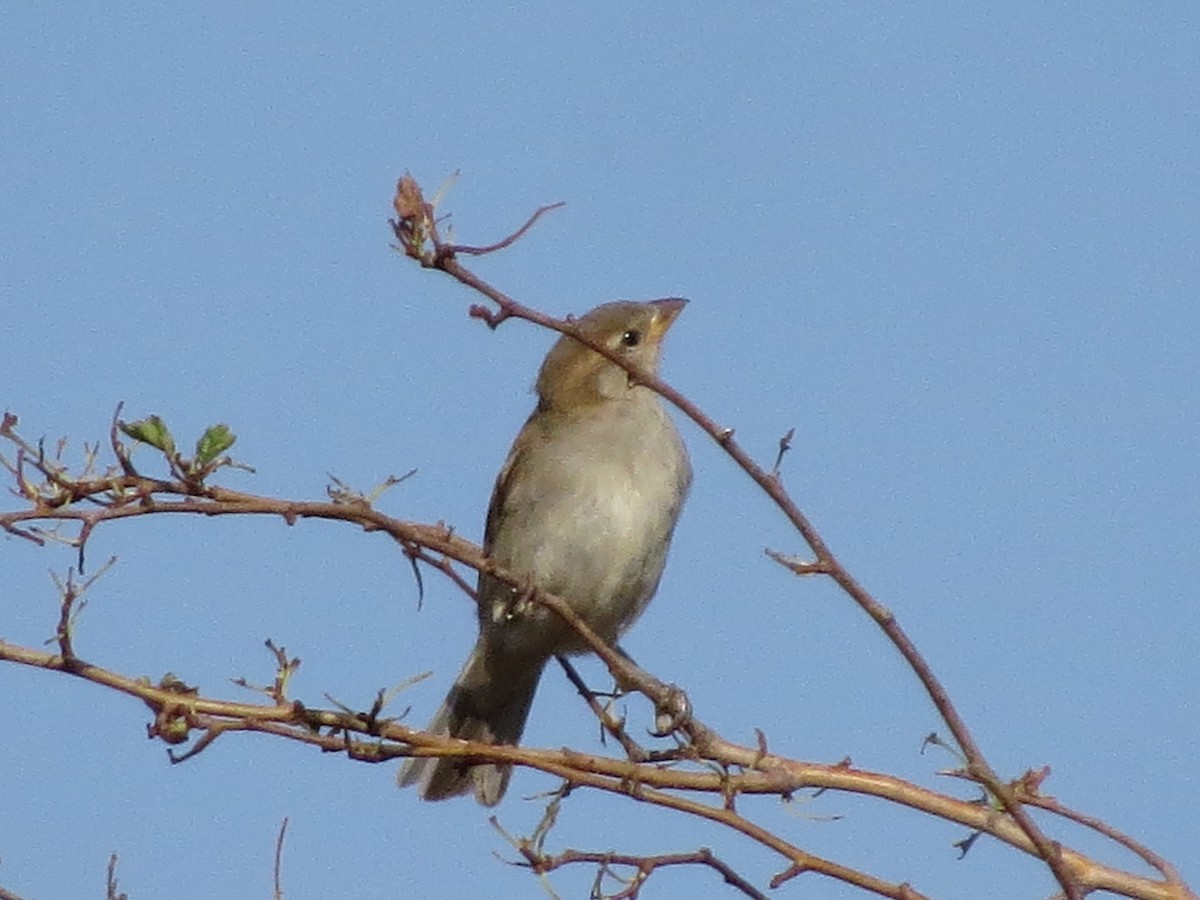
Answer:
(631, 338)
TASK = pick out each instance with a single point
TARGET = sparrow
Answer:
(584, 508)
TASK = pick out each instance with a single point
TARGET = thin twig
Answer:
(508, 241)
(278, 868)
(612, 725)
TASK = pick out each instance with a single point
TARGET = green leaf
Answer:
(215, 441)
(151, 430)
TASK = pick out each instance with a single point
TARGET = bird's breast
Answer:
(592, 520)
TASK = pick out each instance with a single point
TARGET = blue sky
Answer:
(954, 246)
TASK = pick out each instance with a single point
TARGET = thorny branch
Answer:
(700, 762)
(417, 218)
(609, 865)
(415, 215)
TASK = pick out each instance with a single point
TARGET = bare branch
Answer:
(443, 257)
(693, 770)
(508, 241)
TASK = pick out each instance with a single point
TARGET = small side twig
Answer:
(508, 241)
(111, 892)
(643, 867)
(278, 880)
(611, 723)
(785, 444)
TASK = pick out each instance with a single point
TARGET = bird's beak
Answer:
(665, 313)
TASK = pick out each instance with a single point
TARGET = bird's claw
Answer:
(674, 710)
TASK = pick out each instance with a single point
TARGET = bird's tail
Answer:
(489, 704)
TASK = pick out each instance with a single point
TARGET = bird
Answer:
(584, 508)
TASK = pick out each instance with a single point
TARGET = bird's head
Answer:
(575, 375)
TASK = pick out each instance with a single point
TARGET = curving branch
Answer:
(416, 217)
(698, 763)
(691, 768)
